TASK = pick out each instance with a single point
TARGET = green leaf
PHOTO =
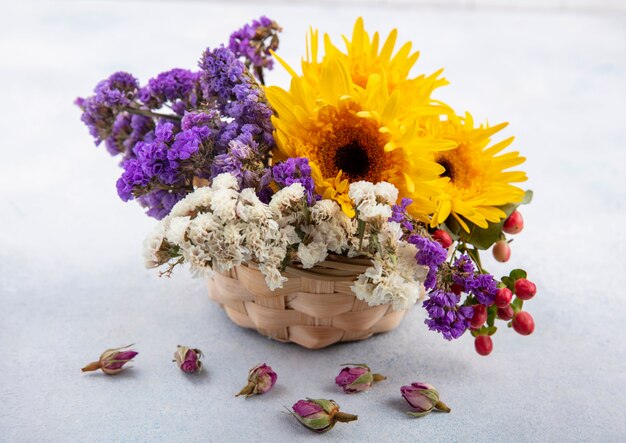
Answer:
(517, 304)
(517, 273)
(509, 283)
(484, 238)
(528, 197)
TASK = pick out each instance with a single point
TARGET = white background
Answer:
(72, 281)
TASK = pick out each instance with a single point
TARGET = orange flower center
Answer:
(356, 148)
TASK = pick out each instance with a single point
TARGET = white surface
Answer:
(72, 281)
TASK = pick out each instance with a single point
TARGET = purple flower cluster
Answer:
(178, 88)
(482, 286)
(254, 42)
(216, 120)
(161, 171)
(446, 316)
(242, 160)
(227, 82)
(296, 170)
(100, 111)
(431, 254)
(399, 214)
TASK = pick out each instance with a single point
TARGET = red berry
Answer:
(501, 251)
(506, 314)
(523, 323)
(480, 316)
(456, 288)
(483, 344)
(443, 238)
(503, 297)
(514, 224)
(525, 289)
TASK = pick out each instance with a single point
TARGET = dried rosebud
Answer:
(188, 359)
(112, 361)
(357, 378)
(261, 379)
(423, 398)
(320, 415)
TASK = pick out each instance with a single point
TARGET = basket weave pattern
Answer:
(315, 308)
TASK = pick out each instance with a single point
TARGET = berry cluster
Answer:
(487, 299)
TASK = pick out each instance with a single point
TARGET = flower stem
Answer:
(152, 114)
(442, 406)
(93, 366)
(247, 390)
(345, 418)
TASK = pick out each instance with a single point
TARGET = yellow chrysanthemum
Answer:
(353, 124)
(476, 180)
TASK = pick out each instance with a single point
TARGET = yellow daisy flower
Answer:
(476, 179)
(353, 128)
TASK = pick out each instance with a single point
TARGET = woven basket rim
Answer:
(334, 268)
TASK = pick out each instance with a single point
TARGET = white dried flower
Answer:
(225, 181)
(287, 198)
(374, 212)
(312, 253)
(177, 229)
(324, 210)
(152, 245)
(200, 198)
(224, 203)
(386, 193)
(362, 191)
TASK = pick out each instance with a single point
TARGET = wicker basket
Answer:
(315, 307)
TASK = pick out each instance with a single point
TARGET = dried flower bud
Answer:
(112, 361)
(423, 398)
(188, 359)
(261, 379)
(357, 378)
(320, 415)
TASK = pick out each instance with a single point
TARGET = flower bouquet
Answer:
(322, 212)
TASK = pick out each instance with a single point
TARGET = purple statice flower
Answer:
(445, 314)
(200, 118)
(132, 177)
(221, 72)
(153, 156)
(101, 110)
(239, 98)
(254, 43)
(179, 88)
(296, 170)
(187, 143)
(117, 90)
(463, 272)
(431, 254)
(243, 160)
(483, 286)
(160, 201)
(399, 215)
(120, 131)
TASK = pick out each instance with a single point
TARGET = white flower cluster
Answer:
(394, 277)
(219, 227)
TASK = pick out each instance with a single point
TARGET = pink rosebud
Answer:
(320, 415)
(261, 379)
(188, 359)
(112, 361)
(423, 398)
(357, 378)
